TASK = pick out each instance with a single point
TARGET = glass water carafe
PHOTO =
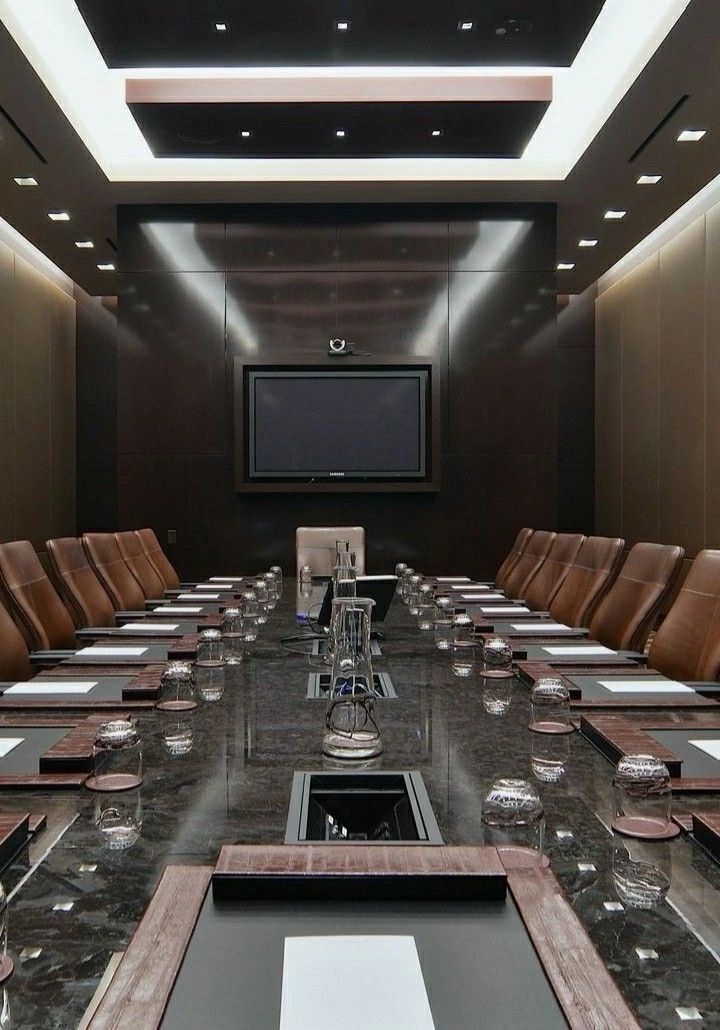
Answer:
(344, 572)
(350, 727)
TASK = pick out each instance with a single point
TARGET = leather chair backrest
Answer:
(14, 661)
(589, 578)
(627, 613)
(548, 579)
(532, 558)
(315, 546)
(158, 559)
(687, 643)
(137, 561)
(76, 582)
(519, 545)
(104, 555)
(32, 599)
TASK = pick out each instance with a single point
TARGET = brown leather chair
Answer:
(33, 602)
(14, 660)
(534, 554)
(77, 584)
(540, 590)
(687, 643)
(519, 545)
(588, 580)
(158, 559)
(104, 555)
(137, 561)
(627, 613)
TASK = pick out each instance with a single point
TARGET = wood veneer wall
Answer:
(658, 394)
(37, 403)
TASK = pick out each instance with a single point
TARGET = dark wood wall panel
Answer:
(473, 287)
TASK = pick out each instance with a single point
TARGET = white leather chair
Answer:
(315, 546)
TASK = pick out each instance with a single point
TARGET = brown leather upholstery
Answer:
(78, 585)
(514, 553)
(137, 561)
(32, 599)
(531, 559)
(687, 643)
(14, 662)
(540, 590)
(104, 556)
(588, 580)
(158, 559)
(315, 546)
(627, 613)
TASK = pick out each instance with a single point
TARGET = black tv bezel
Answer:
(246, 482)
(420, 375)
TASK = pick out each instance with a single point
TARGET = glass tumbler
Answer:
(273, 589)
(232, 636)
(210, 649)
(250, 614)
(412, 597)
(404, 581)
(399, 569)
(513, 819)
(177, 692)
(426, 608)
(210, 682)
(497, 658)
(443, 617)
(642, 798)
(463, 645)
(550, 703)
(117, 757)
(278, 573)
(261, 592)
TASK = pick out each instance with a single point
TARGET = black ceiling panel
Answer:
(310, 130)
(138, 33)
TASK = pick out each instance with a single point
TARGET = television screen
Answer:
(353, 424)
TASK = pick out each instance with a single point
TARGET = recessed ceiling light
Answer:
(691, 135)
(221, 26)
(649, 180)
(340, 133)
(245, 133)
(565, 266)
(84, 244)
(465, 26)
(614, 216)
(436, 132)
(106, 266)
(588, 243)
(342, 26)
(58, 216)
(25, 180)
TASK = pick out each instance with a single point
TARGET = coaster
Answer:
(7, 968)
(551, 727)
(645, 828)
(176, 706)
(113, 782)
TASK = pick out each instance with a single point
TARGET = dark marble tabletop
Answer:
(234, 786)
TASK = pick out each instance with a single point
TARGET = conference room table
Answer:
(74, 903)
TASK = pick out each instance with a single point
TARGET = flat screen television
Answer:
(355, 425)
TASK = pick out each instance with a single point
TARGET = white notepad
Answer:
(323, 986)
(645, 687)
(580, 649)
(225, 579)
(102, 652)
(53, 687)
(177, 610)
(483, 597)
(225, 587)
(198, 597)
(454, 579)
(150, 627)
(710, 747)
(542, 627)
(8, 744)
(516, 609)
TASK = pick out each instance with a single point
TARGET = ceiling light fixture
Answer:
(106, 266)
(691, 135)
(649, 180)
(58, 216)
(84, 244)
(340, 133)
(613, 215)
(245, 133)
(25, 180)
(565, 266)
(588, 243)
(342, 26)
(221, 26)
(465, 26)
(436, 132)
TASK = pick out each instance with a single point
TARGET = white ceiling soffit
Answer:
(58, 44)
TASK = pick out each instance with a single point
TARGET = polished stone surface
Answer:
(235, 786)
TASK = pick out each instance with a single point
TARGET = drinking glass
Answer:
(412, 596)
(351, 730)
(117, 757)
(250, 614)
(642, 798)
(497, 658)
(177, 693)
(210, 682)
(426, 608)
(119, 819)
(404, 582)
(463, 645)
(278, 573)
(232, 636)
(210, 649)
(443, 617)
(513, 818)
(261, 592)
(399, 569)
(550, 703)
(273, 589)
